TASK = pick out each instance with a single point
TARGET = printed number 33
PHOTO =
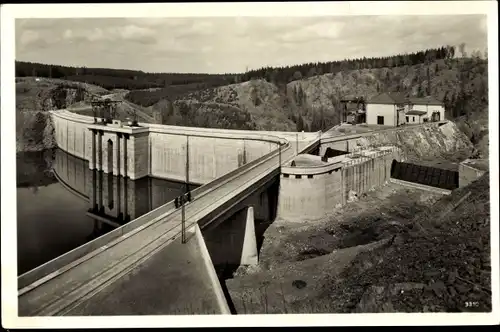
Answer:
(470, 304)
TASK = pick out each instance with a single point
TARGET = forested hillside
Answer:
(313, 103)
(119, 78)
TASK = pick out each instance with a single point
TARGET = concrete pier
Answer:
(249, 255)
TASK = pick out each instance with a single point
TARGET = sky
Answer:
(233, 44)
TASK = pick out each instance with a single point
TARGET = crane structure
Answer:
(105, 110)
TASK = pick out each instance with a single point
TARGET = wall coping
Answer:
(266, 136)
(345, 162)
(125, 129)
(310, 170)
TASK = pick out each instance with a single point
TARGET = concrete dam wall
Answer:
(161, 151)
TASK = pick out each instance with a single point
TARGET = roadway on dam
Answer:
(119, 277)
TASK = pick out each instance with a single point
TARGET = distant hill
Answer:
(302, 97)
(119, 78)
(313, 103)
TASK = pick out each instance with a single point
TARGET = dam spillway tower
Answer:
(118, 148)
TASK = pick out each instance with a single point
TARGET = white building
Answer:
(386, 109)
(424, 110)
(394, 109)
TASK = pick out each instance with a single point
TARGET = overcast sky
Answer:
(230, 44)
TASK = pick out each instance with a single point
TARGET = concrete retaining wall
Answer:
(308, 195)
(468, 172)
(217, 287)
(313, 192)
(421, 187)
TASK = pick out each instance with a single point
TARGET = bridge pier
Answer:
(249, 254)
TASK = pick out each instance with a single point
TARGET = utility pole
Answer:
(187, 164)
(279, 149)
(184, 197)
(297, 142)
(183, 222)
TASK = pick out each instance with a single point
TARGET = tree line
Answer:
(119, 78)
(135, 80)
(291, 73)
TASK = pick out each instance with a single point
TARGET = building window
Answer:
(380, 120)
(286, 175)
(309, 176)
(407, 119)
(298, 176)
(413, 119)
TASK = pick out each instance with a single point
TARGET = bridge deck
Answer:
(172, 281)
(99, 272)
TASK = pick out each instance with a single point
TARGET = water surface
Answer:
(62, 204)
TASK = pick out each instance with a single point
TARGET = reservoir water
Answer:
(62, 204)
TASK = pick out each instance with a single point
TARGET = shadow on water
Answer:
(62, 204)
(33, 169)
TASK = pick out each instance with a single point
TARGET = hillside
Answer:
(36, 96)
(120, 78)
(302, 97)
(393, 250)
(313, 103)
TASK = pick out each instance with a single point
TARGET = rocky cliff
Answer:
(313, 103)
(35, 97)
(433, 141)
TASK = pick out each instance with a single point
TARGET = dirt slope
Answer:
(394, 250)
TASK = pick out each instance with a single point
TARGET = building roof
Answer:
(416, 112)
(388, 98)
(425, 101)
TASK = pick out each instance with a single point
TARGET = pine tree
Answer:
(300, 123)
(428, 82)
(420, 91)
